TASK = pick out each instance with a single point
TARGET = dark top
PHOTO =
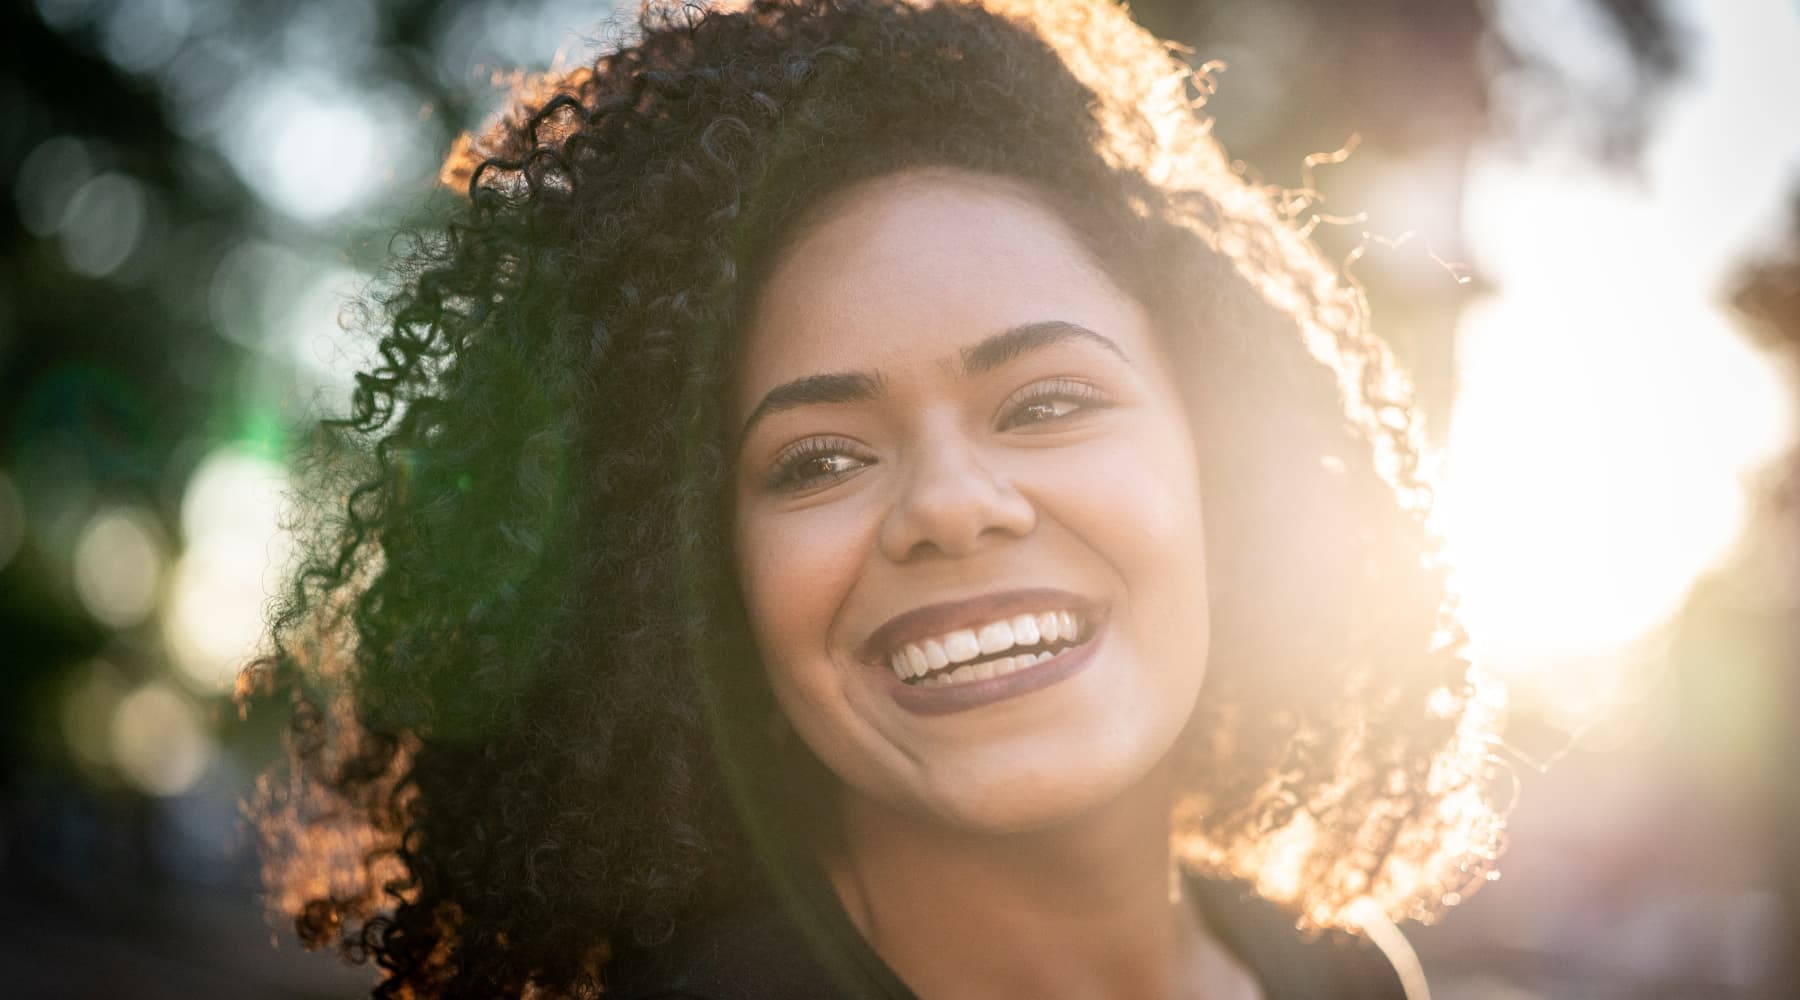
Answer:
(758, 952)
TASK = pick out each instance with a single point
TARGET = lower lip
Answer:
(944, 699)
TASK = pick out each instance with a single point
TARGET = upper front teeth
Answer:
(916, 659)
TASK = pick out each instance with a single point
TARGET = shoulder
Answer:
(751, 952)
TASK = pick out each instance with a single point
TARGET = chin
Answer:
(1011, 802)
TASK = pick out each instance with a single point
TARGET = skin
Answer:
(1019, 846)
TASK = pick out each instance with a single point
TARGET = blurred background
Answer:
(1579, 221)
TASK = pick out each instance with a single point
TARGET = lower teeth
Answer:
(973, 671)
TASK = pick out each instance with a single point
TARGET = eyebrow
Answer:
(1006, 345)
(984, 356)
(812, 390)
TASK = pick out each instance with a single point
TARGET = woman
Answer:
(865, 502)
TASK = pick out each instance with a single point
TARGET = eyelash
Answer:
(1084, 395)
(789, 475)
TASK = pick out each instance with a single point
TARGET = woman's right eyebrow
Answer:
(810, 390)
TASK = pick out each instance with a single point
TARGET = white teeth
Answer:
(995, 637)
(935, 656)
(1025, 630)
(915, 658)
(926, 659)
(961, 646)
(985, 670)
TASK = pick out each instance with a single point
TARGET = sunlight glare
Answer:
(1608, 412)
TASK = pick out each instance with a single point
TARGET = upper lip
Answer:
(938, 619)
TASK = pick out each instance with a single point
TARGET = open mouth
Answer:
(995, 649)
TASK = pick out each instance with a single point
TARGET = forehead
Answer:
(914, 266)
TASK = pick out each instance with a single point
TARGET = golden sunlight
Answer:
(1608, 412)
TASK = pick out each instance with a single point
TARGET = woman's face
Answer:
(963, 456)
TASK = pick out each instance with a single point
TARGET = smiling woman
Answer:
(864, 502)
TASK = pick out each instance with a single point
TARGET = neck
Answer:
(1082, 908)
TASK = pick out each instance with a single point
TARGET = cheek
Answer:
(1138, 498)
(796, 570)
(1137, 506)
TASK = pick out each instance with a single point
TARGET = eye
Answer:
(1051, 400)
(815, 462)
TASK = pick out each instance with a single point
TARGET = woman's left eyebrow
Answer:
(994, 351)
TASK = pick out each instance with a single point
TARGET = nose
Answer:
(951, 503)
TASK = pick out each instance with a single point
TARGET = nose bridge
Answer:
(951, 497)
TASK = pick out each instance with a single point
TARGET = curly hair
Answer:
(515, 661)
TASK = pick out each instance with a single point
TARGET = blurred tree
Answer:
(106, 376)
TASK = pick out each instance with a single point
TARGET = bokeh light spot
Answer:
(142, 35)
(215, 615)
(101, 227)
(65, 15)
(48, 178)
(233, 497)
(118, 565)
(475, 38)
(88, 707)
(230, 517)
(310, 151)
(330, 33)
(315, 335)
(253, 290)
(159, 741)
